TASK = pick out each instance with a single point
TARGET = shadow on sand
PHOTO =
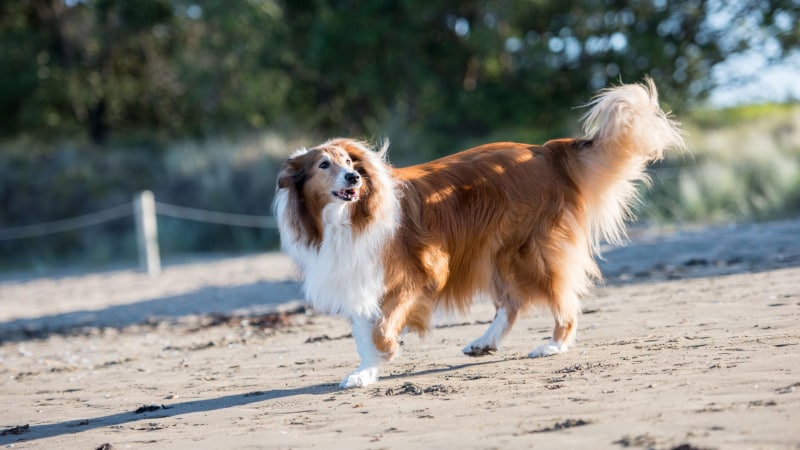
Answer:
(709, 252)
(42, 431)
(79, 425)
(254, 298)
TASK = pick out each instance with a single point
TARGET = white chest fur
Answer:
(345, 275)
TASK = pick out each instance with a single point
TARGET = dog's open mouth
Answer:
(348, 195)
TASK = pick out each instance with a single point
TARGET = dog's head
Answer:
(340, 171)
(325, 173)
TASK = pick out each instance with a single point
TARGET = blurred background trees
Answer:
(99, 98)
(165, 69)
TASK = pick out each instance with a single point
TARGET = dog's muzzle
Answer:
(349, 194)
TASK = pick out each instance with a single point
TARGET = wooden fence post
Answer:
(144, 207)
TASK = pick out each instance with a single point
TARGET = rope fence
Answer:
(71, 224)
(145, 209)
(215, 217)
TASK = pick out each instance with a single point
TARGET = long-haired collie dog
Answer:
(386, 247)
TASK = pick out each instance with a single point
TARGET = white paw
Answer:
(549, 349)
(479, 347)
(490, 341)
(360, 378)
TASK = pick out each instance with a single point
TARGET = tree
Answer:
(150, 67)
(170, 68)
(469, 67)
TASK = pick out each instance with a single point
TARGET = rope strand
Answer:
(70, 224)
(220, 218)
(124, 210)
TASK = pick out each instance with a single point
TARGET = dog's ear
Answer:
(294, 171)
(286, 175)
(284, 178)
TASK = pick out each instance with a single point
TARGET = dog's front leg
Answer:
(367, 372)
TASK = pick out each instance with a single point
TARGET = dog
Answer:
(521, 223)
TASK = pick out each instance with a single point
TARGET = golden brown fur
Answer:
(480, 221)
(517, 222)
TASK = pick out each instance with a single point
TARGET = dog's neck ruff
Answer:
(344, 274)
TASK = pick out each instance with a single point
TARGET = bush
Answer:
(744, 164)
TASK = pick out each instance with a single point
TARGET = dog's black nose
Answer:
(352, 177)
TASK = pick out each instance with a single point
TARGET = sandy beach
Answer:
(693, 342)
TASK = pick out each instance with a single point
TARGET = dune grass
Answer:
(743, 164)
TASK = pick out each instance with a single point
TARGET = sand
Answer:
(693, 342)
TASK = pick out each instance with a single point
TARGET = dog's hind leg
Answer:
(565, 311)
(367, 371)
(569, 268)
(503, 320)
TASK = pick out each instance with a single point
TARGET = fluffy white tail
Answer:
(628, 129)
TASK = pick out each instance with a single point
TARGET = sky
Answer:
(752, 76)
(760, 81)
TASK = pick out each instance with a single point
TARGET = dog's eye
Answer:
(324, 164)
(348, 162)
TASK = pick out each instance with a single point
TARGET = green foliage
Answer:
(160, 70)
(744, 165)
